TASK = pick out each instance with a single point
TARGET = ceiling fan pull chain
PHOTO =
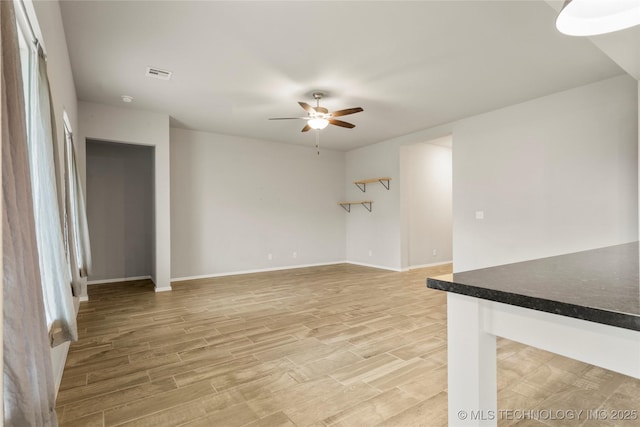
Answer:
(318, 141)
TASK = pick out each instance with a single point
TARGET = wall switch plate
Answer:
(434, 253)
(295, 254)
(270, 257)
(370, 252)
(479, 214)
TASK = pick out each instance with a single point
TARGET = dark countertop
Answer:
(600, 285)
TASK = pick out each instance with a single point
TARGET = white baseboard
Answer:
(434, 264)
(84, 298)
(374, 266)
(164, 289)
(265, 270)
(123, 279)
(261, 270)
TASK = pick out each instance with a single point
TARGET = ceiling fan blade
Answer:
(346, 111)
(306, 128)
(341, 123)
(288, 118)
(308, 108)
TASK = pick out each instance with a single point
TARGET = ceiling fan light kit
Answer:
(593, 17)
(318, 123)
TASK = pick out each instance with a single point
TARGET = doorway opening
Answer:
(426, 200)
(120, 211)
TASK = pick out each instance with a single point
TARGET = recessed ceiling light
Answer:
(127, 98)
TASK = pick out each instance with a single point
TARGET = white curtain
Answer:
(54, 269)
(76, 217)
(28, 386)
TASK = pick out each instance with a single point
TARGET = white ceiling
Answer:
(411, 65)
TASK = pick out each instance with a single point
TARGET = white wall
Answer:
(384, 231)
(127, 125)
(373, 238)
(553, 175)
(63, 94)
(120, 210)
(426, 171)
(236, 200)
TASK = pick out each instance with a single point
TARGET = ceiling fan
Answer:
(319, 117)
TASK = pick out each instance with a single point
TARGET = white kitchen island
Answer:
(585, 306)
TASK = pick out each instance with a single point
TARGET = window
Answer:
(76, 231)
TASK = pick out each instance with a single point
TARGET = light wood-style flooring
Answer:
(330, 346)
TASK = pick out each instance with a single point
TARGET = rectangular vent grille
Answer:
(157, 73)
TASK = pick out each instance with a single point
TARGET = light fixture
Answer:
(593, 17)
(318, 123)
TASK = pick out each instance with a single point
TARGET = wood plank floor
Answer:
(327, 346)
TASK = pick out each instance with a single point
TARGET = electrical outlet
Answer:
(295, 254)
(270, 257)
(479, 214)
(370, 252)
(434, 253)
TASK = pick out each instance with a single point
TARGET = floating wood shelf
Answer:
(362, 184)
(347, 205)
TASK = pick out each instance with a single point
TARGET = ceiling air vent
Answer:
(157, 73)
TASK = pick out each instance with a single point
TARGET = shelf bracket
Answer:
(362, 184)
(347, 205)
